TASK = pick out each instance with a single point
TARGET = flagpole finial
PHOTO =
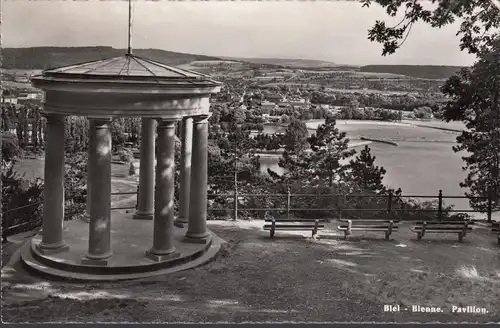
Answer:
(129, 52)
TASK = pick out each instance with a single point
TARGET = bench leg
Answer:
(460, 237)
(271, 233)
(419, 236)
(498, 240)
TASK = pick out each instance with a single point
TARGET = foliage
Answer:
(18, 192)
(330, 147)
(75, 185)
(76, 129)
(10, 148)
(117, 128)
(295, 138)
(423, 113)
(125, 155)
(480, 20)
(475, 100)
(75, 177)
(365, 173)
(372, 114)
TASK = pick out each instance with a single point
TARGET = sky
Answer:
(333, 31)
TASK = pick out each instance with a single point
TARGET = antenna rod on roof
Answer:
(129, 27)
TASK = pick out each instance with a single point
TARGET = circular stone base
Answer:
(130, 241)
(31, 264)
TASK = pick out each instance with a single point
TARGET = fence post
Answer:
(5, 226)
(389, 202)
(339, 210)
(440, 204)
(137, 200)
(288, 203)
(490, 201)
(235, 214)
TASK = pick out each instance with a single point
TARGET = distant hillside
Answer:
(50, 57)
(294, 63)
(424, 71)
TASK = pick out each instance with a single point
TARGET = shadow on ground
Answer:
(289, 278)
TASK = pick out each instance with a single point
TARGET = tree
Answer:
(423, 112)
(5, 118)
(475, 100)
(76, 133)
(480, 19)
(295, 138)
(117, 133)
(330, 147)
(365, 173)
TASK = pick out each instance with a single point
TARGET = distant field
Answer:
(367, 91)
(213, 62)
(382, 75)
(286, 62)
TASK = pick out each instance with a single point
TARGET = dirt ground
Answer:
(290, 278)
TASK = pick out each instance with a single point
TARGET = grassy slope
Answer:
(288, 278)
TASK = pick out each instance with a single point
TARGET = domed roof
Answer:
(126, 68)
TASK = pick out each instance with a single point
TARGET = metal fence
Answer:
(235, 197)
(8, 229)
(390, 201)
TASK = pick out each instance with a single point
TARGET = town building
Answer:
(9, 100)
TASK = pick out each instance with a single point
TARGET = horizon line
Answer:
(224, 57)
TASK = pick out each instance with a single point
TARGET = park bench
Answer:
(495, 228)
(461, 228)
(293, 225)
(386, 226)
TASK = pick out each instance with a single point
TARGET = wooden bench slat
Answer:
(278, 226)
(444, 222)
(442, 228)
(443, 231)
(362, 229)
(369, 226)
(369, 221)
(293, 220)
(292, 228)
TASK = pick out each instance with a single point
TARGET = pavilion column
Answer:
(53, 201)
(163, 238)
(145, 209)
(185, 169)
(86, 216)
(100, 202)
(197, 226)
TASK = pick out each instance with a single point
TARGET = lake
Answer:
(421, 164)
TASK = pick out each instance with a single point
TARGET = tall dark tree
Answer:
(295, 159)
(330, 148)
(5, 118)
(475, 100)
(365, 173)
(295, 138)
